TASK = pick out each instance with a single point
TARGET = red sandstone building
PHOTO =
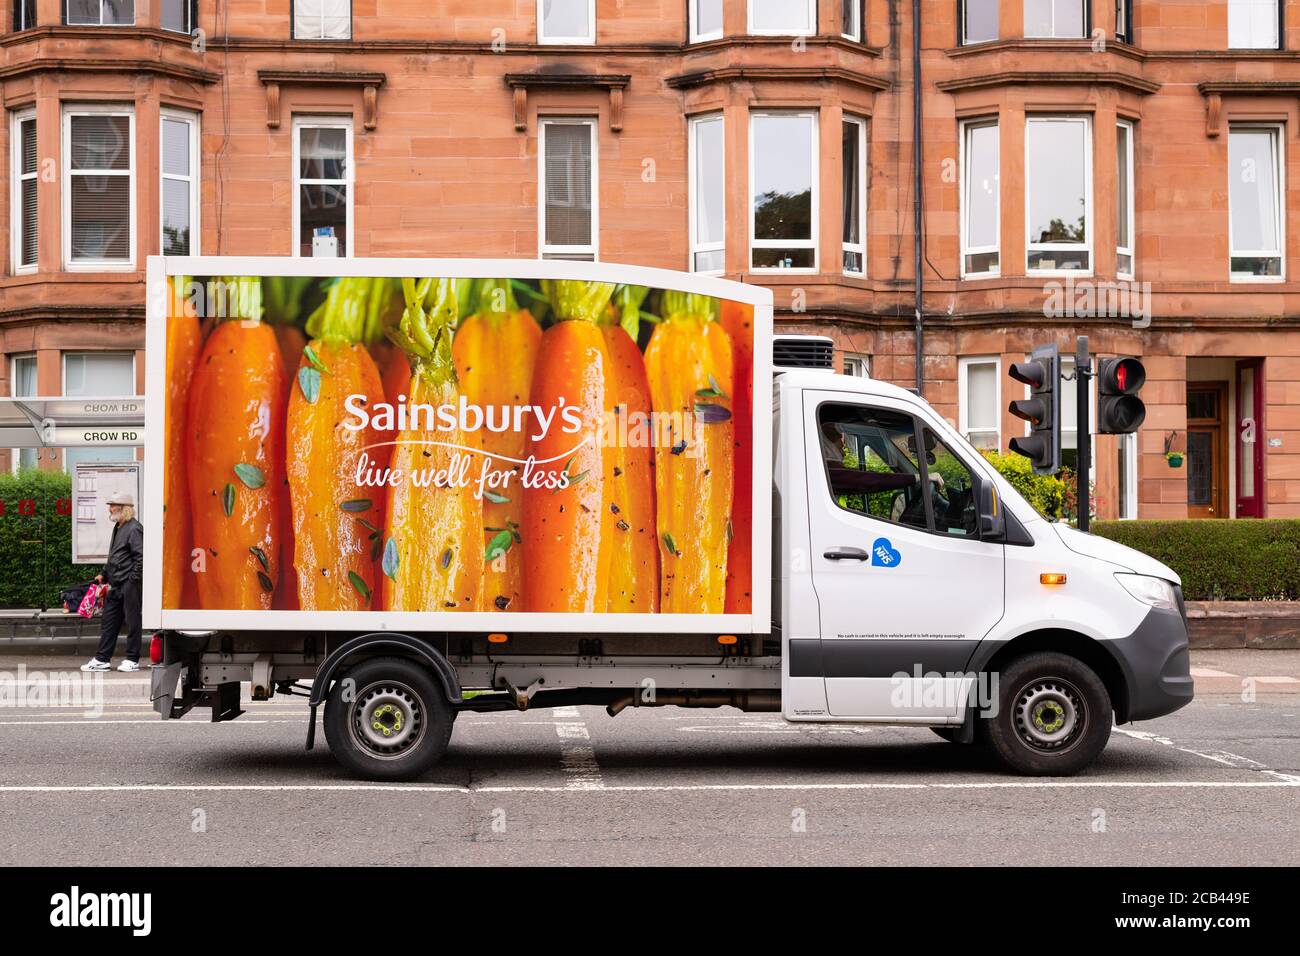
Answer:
(1114, 168)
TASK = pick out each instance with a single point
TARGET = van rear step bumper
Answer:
(222, 699)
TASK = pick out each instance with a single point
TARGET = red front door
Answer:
(1250, 438)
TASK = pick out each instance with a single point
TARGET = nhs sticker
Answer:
(883, 554)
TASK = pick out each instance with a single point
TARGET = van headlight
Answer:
(1156, 592)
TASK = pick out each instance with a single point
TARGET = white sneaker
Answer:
(95, 664)
(128, 666)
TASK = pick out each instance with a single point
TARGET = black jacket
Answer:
(125, 554)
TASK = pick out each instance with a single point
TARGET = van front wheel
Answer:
(1053, 719)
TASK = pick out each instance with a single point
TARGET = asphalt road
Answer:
(1216, 783)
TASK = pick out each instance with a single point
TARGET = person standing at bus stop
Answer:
(122, 577)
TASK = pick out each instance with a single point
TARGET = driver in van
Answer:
(849, 480)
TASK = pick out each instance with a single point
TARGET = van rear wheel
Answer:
(1053, 719)
(387, 718)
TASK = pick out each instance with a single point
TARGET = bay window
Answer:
(24, 15)
(783, 190)
(1124, 199)
(851, 20)
(708, 193)
(1055, 18)
(706, 20)
(979, 400)
(1058, 194)
(179, 187)
(99, 13)
(980, 199)
(1124, 20)
(23, 167)
(979, 21)
(179, 16)
(783, 17)
(22, 384)
(854, 173)
(858, 366)
(98, 375)
(1127, 454)
(99, 187)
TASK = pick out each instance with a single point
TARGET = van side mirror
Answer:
(993, 522)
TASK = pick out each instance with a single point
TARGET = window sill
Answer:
(110, 267)
(1059, 273)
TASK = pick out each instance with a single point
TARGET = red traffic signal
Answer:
(1122, 376)
(1119, 410)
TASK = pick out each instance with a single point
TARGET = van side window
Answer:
(871, 464)
(951, 489)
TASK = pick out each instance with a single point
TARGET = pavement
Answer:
(100, 779)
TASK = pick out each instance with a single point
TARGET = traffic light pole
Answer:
(1082, 382)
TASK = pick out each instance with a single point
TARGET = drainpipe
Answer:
(918, 315)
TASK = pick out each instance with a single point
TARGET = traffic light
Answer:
(1042, 409)
(1119, 410)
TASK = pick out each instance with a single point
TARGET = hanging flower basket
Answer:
(1173, 456)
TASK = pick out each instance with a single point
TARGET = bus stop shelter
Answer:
(46, 422)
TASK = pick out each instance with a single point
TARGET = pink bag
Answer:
(90, 601)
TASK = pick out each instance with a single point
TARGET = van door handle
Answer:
(846, 554)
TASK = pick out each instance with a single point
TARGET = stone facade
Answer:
(445, 98)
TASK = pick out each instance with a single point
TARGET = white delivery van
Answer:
(858, 561)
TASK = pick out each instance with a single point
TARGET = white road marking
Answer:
(1143, 735)
(462, 722)
(1218, 756)
(577, 757)
(1287, 782)
(1288, 777)
(97, 721)
(1275, 680)
(1209, 672)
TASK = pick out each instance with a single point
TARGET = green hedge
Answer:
(1047, 493)
(1220, 560)
(36, 548)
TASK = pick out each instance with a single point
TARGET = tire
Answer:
(1053, 719)
(947, 733)
(397, 724)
